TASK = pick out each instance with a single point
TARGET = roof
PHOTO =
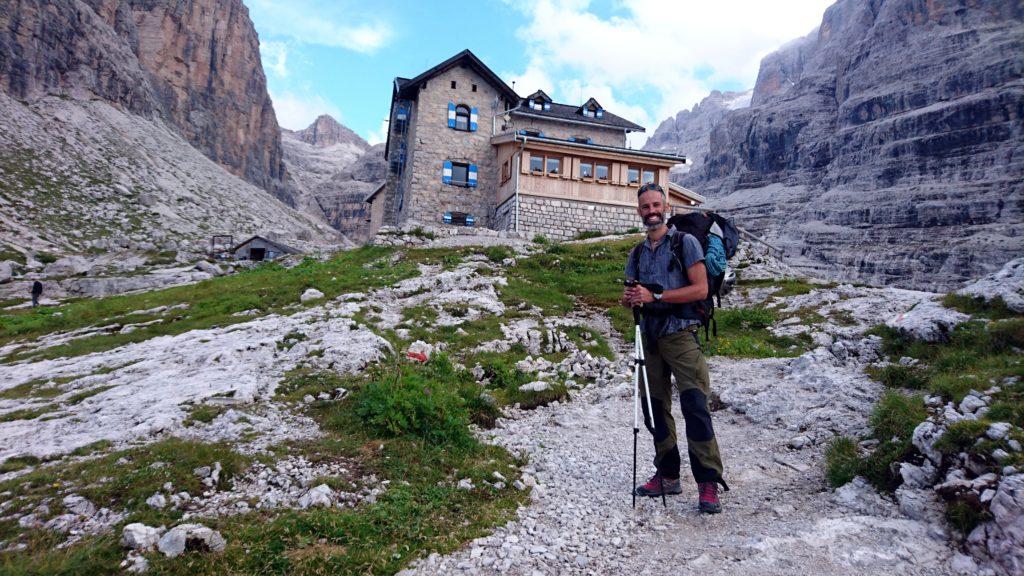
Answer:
(406, 87)
(539, 95)
(284, 248)
(369, 197)
(595, 147)
(676, 189)
(566, 112)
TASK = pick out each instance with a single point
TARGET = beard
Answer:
(654, 221)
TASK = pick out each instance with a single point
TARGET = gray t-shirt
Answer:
(654, 266)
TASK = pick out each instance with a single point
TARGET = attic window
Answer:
(536, 105)
(453, 84)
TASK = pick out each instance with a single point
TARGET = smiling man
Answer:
(669, 267)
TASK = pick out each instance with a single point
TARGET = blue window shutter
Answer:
(446, 175)
(600, 113)
(451, 114)
(547, 105)
(447, 218)
(471, 175)
(470, 220)
(472, 120)
(530, 102)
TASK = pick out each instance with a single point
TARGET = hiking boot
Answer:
(653, 486)
(707, 501)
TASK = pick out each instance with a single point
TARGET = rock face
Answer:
(139, 121)
(689, 132)
(335, 171)
(886, 146)
(193, 63)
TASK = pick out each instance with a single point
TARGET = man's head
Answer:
(651, 205)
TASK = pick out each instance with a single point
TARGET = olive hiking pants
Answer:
(679, 354)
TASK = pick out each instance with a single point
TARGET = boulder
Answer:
(6, 271)
(311, 294)
(924, 438)
(1006, 283)
(535, 386)
(419, 350)
(1002, 539)
(321, 496)
(138, 536)
(157, 501)
(79, 505)
(209, 268)
(69, 266)
(190, 537)
(929, 321)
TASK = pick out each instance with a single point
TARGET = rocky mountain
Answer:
(126, 121)
(689, 132)
(334, 170)
(886, 146)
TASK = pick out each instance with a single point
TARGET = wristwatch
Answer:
(657, 295)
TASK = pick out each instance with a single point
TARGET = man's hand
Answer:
(636, 296)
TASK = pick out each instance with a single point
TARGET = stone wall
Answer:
(426, 197)
(565, 219)
(505, 215)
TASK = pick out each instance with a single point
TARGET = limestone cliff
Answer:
(193, 63)
(689, 132)
(887, 145)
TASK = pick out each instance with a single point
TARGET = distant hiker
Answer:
(673, 282)
(37, 291)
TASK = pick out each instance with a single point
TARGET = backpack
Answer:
(699, 225)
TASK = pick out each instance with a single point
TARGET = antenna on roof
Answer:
(513, 85)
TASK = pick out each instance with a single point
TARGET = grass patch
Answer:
(842, 461)
(898, 376)
(786, 286)
(995, 309)
(18, 463)
(204, 413)
(79, 397)
(267, 288)
(498, 254)
(27, 413)
(587, 234)
(38, 388)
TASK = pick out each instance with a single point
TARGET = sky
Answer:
(644, 60)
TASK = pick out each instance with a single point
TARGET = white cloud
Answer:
(275, 57)
(379, 135)
(664, 54)
(297, 111)
(338, 24)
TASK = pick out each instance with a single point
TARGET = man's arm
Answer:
(695, 292)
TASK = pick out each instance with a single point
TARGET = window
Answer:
(461, 118)
(453, 84)
(506, 170)
(535, 133)
(580, 139)
(601, 170)
(586, 170)
(588, 112)
(536, 105)
(460, 174)
(536, 163)
(554, 166)
(633, 175)
(474, 87)
(647, 177)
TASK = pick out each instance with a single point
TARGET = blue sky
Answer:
(642, 59)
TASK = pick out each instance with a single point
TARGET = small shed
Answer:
(259, 248)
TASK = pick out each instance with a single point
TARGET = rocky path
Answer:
(779, 517)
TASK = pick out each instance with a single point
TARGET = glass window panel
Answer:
(602, 171)
(554, 165)
(460, 173)
(536, 163)
(586, 170)
(633, 176)
(648, 177)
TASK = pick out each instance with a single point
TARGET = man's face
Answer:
(651, 208)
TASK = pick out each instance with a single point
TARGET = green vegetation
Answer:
(787, 286)
(204, 413)
(268, 288)
(842, 461)
(498, 254)
(995, 309)
(743, 333)
(587, 234)
(10, 254)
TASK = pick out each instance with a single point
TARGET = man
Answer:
(37, 291)
(673, 271)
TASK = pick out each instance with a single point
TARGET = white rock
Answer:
(157, 501)
(209, 268)
(1007, 283)
(140, 537)
(79, 505)
(311, 294)
(321, 496)
(192, 536)
(6, 271)
(465, 484)
(929, 321)
(535, 386)
(971, 403)
(419, 350)
(135, 563)
(998, 430)
(924, 438)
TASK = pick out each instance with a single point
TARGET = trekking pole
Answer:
(639, 366)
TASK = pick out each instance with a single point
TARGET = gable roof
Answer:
(539, 95)
(285, 249)
(408, 87)
(590, 104)
(573, 113)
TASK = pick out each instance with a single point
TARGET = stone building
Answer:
(464, 149)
